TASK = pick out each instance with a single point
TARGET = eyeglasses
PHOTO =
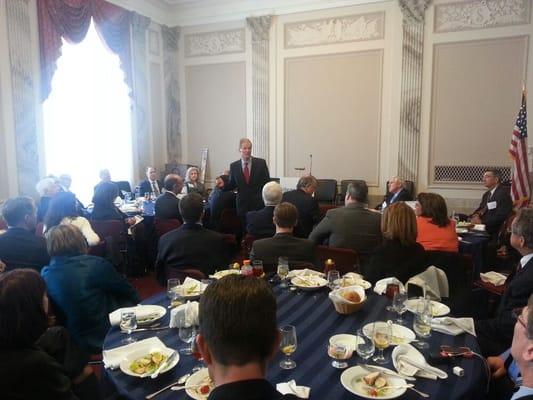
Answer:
(517, 313)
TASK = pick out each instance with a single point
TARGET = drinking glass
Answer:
(172, 291)
(381, 335)
(258, 268)
(333, 279)
(283, 270)
(340, 353)
(288, 346)
(128, 323)
(422, 322)
(365, 346)
(398, 304)
(187, 334)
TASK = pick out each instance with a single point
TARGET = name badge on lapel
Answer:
(491, 205)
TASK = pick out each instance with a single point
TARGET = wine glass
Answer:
(381, 335)
(128, 323)
(333, 279)
(365, 346)
(187, 333)
(257, 266)
(339, 352)
(288, 346)
(283, 270)
(398, 304)
(422, 322)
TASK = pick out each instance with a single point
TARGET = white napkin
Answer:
(381, 286)
(493, 277)
(190, 284)
(303, 272)
(140, 312)
(189, 311)
(433, 282)
(113, 357)
(336, 295)
(407, 369)
(479, 227)
(453, 326)
(291, 388)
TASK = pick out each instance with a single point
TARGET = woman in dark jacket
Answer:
(104, 197)
(399, 255)
(83, 288)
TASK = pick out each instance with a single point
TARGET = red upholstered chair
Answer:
(181, 274)
(39, 229)
(230, 222)
(346, 260)
(114, 233)
(163, 226)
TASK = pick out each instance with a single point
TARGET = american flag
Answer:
(520, 190)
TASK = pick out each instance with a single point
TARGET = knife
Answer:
(164, 364)
(386, 372)
(159, 328)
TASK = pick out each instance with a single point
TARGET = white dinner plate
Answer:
(222, 274)
(352, 380)
(439, 309)
(148, 314)
(400, 334)
(309, 282)
(141, 352)
(199, 378)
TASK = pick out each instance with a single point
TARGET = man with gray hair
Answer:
(260, 223)
(395, 192)
(167, 204)
(307, 206)
(353, 226)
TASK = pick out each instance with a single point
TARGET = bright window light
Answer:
(87, 117)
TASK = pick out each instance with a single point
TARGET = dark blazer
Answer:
(114, 183)
(259, 223)
(493, 219)
(298, 250)
(20, 248)
(146, 187)
(167, 206)
(107, 212)
(191, 246)
(403, 195)
(219, 200)
(351, 227)
(42, 208)
(249, 194)
(393, 259)
(308, 211)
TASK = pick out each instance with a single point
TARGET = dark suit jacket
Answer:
(42, 208)
(393, 259)
(259, 223)
(146, 187)
(308, 211)
(191, 246)
(107, 212)
(351, 227)
(493, 219)
(167, 206)
(249, 194)
(298, 250)
(219, 200)
(403, 195)
(119, 191)
(20, 248)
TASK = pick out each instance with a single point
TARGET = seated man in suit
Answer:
(353, 226)
(496, 204)
(19, 246)
(239, 335)
(395, 192)
(284, 244)
(191, 245)
(47, 188)
(307, 206)
(151, 184)
(259, 223)
(495, 334)
(105, 177)
(167, 204)
(219, 199)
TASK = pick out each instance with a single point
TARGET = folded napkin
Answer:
(351, 278)
(192, 287)
(337, 297)
(140, 312)
(453, 326)
(479, 227)
(409, 361)
(303, 272)
(113, 357)
(381, 286)
(493, 277)
(184, 315)
(433, 282)
(291, 388)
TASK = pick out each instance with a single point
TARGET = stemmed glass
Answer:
(382, 337)
(173, 290)
(333, 279)
(128, 323)
(283, 270)
(398, 304)
(339, 352)
(365, 346)
(288, 346)
(422, 322)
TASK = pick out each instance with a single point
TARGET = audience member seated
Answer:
(19, 246)
(105, 177)
(299, 251)
(495, 334)
(307, 206)
(259, 223)
(239, 336)
(192, 182)
(167, 204)
(353, 226)
(63, 210)
(512, 371)
(219, 199)
(47, 188)
(435, 230)
(191, 245)
(65, 181)
(104, 204)
(396, 191)
(151, 184)
(38, 363)
(496, 204)
(84, 289)
(399, 255)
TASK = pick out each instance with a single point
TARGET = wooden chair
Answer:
(326, 192)
(346, 260)
(163, 226)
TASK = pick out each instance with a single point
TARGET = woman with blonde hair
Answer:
(435, 230)
(192, 182)
(399, 255)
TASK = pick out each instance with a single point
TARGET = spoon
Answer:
(180, 381)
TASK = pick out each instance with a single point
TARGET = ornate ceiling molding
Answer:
(214, 43)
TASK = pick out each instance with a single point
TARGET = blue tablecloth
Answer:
(316, 321)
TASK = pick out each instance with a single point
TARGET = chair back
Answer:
(181, 274)
(163, 226)
(124, 186)
(114, 229)
(230, 222)
(277, 180)
(346, 260)
(326, 192)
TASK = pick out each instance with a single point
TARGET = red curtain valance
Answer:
(70, 19)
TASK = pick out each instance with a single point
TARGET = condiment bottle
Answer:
(247, 269)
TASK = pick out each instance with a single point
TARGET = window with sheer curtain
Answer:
(87, 117)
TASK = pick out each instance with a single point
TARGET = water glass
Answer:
(288, 346)
(333, 279)
(365, 346)
(187, 334)
(340, 352)
(172, 291)
(382, 334)
(422, 322)
(257, 266)
(128, 323)
(398, 304)
(283, 270)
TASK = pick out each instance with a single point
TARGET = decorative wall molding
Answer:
(350, 28)
(480, 14)
(215, 43)
(153, 43)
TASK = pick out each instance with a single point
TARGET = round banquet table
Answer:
(316, 321)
